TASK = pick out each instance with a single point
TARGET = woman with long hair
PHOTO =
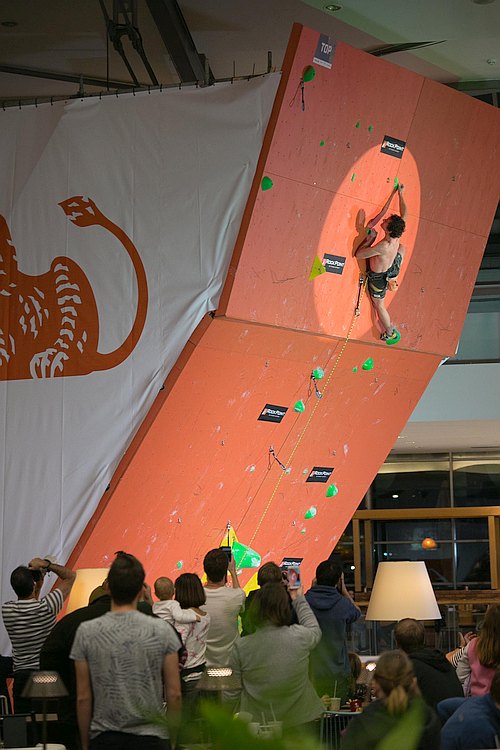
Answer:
(190, 594)
(396, 693)
(481, 656)
(273, 662)
(267, 573)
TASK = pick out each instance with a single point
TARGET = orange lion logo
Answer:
(49, 324)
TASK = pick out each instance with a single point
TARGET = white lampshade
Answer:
(402, 589)
(87, 579)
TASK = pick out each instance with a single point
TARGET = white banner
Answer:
(119, 220)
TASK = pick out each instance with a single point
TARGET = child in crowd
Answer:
(168, 608)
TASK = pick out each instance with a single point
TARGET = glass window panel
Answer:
(345, 548)
(473, 565)
(476, 480)
(471, 529)
(414, 531)
(402, 540)
(411, 482)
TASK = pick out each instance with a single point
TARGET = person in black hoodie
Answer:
(334, 609)
(436, 677)
(397, 695)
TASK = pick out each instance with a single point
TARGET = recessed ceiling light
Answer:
(483, 2)
(491, 61)
(8, 24)
(333, 7)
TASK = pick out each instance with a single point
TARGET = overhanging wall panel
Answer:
(205, 459)
(326, 165)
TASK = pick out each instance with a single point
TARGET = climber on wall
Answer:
(385, 258)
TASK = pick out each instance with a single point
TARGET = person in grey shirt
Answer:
(123, 661)
(273, 662)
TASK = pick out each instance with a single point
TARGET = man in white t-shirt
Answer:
(223, 604)
(29, 620)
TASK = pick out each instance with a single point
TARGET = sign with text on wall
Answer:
(393, 146)
(320, 474)
(324, 52)
(333, 263)
(272, 413)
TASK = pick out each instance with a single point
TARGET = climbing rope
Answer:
(361, 291)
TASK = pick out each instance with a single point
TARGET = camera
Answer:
(37, 575)
(228, 552)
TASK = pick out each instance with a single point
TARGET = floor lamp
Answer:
(44, 685)
(402, 589)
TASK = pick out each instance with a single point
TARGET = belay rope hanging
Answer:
(357, 309)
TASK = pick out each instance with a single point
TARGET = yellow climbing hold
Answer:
(317, 268)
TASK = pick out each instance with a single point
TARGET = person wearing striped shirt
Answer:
(29, 620)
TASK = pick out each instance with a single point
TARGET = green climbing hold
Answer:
(308, 74)
(311, 512)
(252, 469)
(318, 373)
(370, 128)
(368, 365)
(300, 407)
(321, 143)
(266, 183)
(244, 557)
(396, 182)
(302, 531)
(358, 124)
(393, 339)
(354, 369)
(353, 177)
(289, 470)
(305, 471)
(331, 490)
(180, 564)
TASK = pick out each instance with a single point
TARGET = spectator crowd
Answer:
(136, 668)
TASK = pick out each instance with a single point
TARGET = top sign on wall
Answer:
(325, 50)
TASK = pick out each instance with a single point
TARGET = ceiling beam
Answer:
(53, 76)
(191, 66)
(488, 86)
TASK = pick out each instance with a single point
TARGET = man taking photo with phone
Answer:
(334, 609)
(224, 604)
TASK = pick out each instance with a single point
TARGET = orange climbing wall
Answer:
(204, 457)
